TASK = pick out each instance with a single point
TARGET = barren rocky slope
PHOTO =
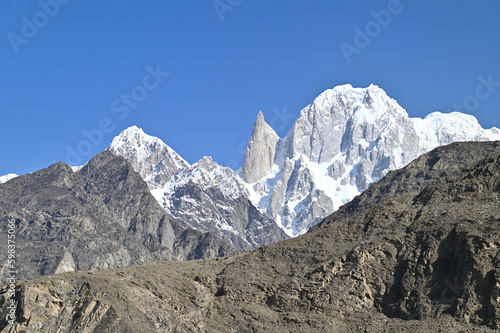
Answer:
(423, 259)
(103, 216)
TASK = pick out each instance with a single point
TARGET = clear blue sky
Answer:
(264, 55)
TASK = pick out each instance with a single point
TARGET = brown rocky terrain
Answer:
(417, 252)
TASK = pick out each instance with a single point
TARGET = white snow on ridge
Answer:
(7, 177)
(443, 128)
(77, 168)
(259, 192)
(206, 174)
(156, 162)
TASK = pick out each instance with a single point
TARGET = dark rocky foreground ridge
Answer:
(102, 216)
(418, 252)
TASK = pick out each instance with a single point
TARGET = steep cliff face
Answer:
(416, 175)
(210, 198)
(259, 157)
(422, 257)
(103, 216)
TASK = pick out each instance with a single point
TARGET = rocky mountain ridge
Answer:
(205, 195)
(418, 251)
(102, 216)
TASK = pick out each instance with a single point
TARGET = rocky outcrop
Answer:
(416, 175)
(103, 216)
(213, 199)
(423, 259)
(259, 155)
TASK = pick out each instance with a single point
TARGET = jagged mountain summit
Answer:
(261, 150)
(345, 140)
(205, 195)
(156, 162)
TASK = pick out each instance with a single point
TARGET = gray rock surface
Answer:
(259, 155)
(416, 175)
(103, 216)
(208, 198)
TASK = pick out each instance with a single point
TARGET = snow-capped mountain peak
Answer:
(156, 162)
(343, 141)
(443, 128)
(319, 131)
(132, 134)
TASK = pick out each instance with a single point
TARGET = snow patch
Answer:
(7, 177)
